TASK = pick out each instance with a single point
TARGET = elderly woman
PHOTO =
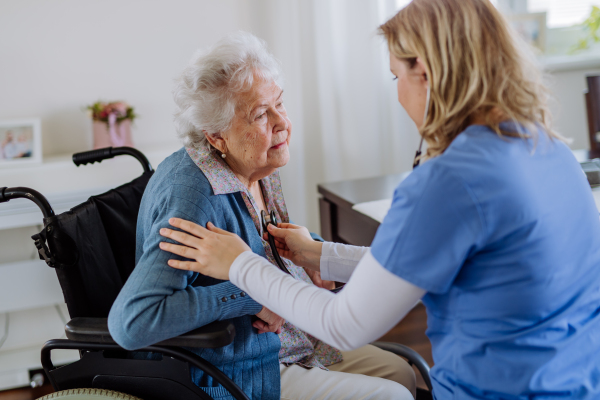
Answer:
(237, 133)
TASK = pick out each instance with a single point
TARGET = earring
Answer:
(223, 155)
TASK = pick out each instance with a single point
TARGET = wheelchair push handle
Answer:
(105, 153)
(9, 193)
(92, 156)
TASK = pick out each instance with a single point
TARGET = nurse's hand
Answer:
(213, 249)
(295, 243)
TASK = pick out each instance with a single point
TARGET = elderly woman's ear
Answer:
(216, 141)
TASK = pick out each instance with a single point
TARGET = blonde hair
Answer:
(475, 66)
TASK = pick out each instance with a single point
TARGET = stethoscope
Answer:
(266, 219)
(270, 218)
(417, 159)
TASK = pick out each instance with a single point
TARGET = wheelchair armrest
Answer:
(95, 330)
(412, 356)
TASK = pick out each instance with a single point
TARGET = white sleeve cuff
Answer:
(338, 261)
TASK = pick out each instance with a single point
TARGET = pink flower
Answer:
(119, 109)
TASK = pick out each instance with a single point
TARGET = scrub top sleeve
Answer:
(433, 226)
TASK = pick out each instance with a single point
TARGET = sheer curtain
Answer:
(339, 94)
(364, 131)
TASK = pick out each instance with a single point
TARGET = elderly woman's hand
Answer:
(295, 243)
(268, 321)
(213, 250)
(316, 279)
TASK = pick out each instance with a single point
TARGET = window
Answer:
(561, 13)
(566, 37)
(563, 36)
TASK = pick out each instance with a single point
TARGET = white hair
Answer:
(206, 92)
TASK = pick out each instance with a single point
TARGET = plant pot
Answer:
(119, 136)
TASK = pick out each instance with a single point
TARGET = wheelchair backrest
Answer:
(94, 247)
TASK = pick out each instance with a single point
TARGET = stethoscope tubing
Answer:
(269, 218)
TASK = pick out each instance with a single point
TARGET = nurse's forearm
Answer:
(372, 302)
(338, 261)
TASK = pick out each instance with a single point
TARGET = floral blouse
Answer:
(297, 347)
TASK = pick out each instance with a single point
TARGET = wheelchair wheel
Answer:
(88, 394)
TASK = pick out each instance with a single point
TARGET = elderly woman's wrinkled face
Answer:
(257, 142)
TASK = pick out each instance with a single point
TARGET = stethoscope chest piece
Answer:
(266, 219)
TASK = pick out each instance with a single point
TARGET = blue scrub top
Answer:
(505, 239)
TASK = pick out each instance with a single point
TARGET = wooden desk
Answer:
(339, 222)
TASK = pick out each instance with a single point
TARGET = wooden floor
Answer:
(410, 331)
(26, 393)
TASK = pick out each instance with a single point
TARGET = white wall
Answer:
(59, 56)
(62, 55)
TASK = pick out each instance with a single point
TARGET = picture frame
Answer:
(20, 142)
(531, 27)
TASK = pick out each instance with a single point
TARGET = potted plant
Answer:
(111, 123)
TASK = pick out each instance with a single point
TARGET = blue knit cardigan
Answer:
(160, 302)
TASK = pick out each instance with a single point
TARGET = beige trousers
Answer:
(365, 373)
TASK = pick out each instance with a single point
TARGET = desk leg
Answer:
(327, 222)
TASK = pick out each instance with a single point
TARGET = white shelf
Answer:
(570, 62)
(65, 185)
(28, 284)
(58, 174)
(15, 365)
(19, 213)
(28, 330)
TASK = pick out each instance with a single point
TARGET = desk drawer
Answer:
(345, 225)
(355, 228)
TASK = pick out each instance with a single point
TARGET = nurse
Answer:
(496, 232)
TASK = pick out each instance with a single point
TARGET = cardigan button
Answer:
(243, 294)
(233, 297)
(224, 299)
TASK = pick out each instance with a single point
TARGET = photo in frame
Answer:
(531, 27)
(20, 142)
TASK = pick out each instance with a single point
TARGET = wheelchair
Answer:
(92, 249)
